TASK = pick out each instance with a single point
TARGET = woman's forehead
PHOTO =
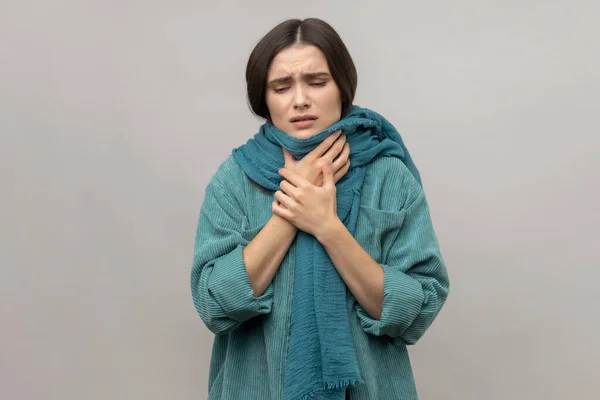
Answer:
(297, 60)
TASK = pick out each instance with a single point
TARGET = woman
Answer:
(315, 262)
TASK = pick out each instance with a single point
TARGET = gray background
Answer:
(114, 115)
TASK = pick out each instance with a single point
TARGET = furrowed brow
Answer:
(277, 81)
(317, 75)
(310, 75)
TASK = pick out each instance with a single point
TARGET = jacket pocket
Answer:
(378, 229)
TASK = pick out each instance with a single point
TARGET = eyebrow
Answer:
(310, 75)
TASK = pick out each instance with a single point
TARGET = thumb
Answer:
(328, 174)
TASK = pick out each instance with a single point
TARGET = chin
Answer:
(306, 133)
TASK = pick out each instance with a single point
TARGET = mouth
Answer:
(302, 118)
(303, 121)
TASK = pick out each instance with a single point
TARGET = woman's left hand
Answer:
(310, 208)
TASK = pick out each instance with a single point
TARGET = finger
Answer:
(336, 148)
(284, 199)
(328, 175)
(293, 177)
(337, 176)
(324, 145)
(342, 158)
(342, 171)
(280, 210)
(280, 204)
(289, 189)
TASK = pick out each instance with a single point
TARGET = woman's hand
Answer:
(309, 207)
(311, 165)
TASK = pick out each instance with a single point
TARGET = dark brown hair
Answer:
(310, 31)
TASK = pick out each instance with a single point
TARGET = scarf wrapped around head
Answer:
(321, 360)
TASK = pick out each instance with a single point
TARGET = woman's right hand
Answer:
(310, 166)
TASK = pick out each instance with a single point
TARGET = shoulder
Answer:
(389, 184)
(228, 172)
(229, 180)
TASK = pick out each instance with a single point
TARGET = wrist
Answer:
(329, 231)
(280, 220)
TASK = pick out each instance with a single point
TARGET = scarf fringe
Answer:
(331, 388)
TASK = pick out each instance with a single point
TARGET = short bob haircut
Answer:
(310, 31)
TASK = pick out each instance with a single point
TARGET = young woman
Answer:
(315, 262)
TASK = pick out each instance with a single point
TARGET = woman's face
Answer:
(302, 97)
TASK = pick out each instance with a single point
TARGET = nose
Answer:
(301, 99)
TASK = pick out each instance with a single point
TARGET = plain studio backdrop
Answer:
(115, 114)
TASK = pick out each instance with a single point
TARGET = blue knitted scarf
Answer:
(321, 360)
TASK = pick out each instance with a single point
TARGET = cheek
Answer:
(333, 98)
(274, 104)
(332, 93)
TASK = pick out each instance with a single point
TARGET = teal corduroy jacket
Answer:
(252, 333)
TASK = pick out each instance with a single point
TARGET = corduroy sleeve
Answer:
(416, 282)
(221, 288)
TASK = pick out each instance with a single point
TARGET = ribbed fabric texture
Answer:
(321, 360)
(393, 225)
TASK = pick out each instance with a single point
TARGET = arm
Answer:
(264, 253)
(361, 273)
(231, 277)
(401, 297)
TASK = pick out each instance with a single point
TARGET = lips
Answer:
(303, 118)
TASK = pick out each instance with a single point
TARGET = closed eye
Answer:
(283, 89)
